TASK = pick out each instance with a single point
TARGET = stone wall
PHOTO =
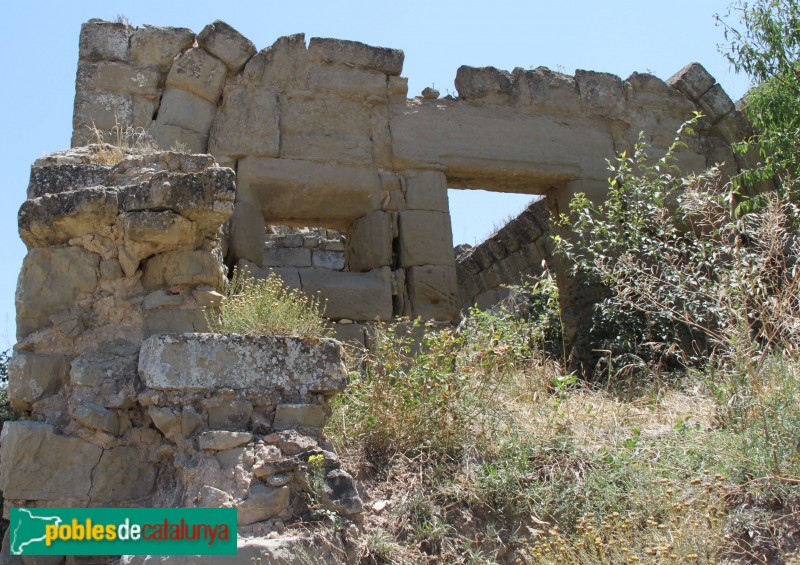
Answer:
(323, 133)
(118, 408)
(520, 250)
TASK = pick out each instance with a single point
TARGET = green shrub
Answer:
(267, 307)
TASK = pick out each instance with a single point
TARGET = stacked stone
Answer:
(129, 254)
(520, 250)
(304, 247)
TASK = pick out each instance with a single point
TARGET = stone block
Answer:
(339, 493)
(426, 190)
(262, 504)
(226, 44)
(333, 260)
(355, 54)
(106, 379)
(282, 65)
(54, 219)
(38, 464)
(693, 80)
(117, 77)
(185, 110)
(211, 361)
(158, 231)
(198, 72)
(222, 440)
(52, 179)
(733, 127)
(369, 242)
(247, 122)
(228, 414)
(171, 320)
(97, 418)
(33, 376)
(103, 110)
(158, 46)
(548, 89)
(354, 296)
(715, 104)
(104, 41)
(294, 416)
(52, 280)
(175, 137)
(426, 238)
(122, 475)
(346, 81)
(166, 420)
(482, 82)
(601, 94)
(433, 292)
(184, 267)
(282, 186)
(350, 334)
(325, 128)
(289, 276)
(287, 257)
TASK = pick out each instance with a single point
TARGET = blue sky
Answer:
(40, 52)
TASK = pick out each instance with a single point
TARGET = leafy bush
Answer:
(267, 307)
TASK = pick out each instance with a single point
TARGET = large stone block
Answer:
(104, 41)
(355, 54)
(352, 296)
(293, 416)
(103, 110)
(52, 179)
(54, 219)
(160, 231)
(52, 280)
(185, 110)
(176, 137)
(33, 376)
(184, 267)
(369, 242)
(293, 191)
(287, 257)
(198, 72)
(226, 44)
(247, 122)
(601, 93)
(473, 83)
(544, 88)
(333, 260)
(426, 238)
(38, 464)
(715, 104)
(346, 81)
(171, 320)
(263, 503)
(106, 379)
(121, 475)
(426, 190)
(158, 46)
(433, 292)
(298, 366)
(693, 80)
(117, 77)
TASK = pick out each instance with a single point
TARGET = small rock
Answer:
(278, 480)
(430, 93)
(380, 506)
(97, 418)
(222, 440)
(263, 503)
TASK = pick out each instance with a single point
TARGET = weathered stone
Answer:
(173, 320)
(715, 104)
(33, 376)
(160, 299)
(282, 187)
(426, 190)
(158, 46)
(290, 416)
(733, 127)
(164, 231)
(475, 83)
(263, 503)
(226, 44)
(165, 419)
(207, 298)
(278, 480)
(369, 242)
(430, 93)
(350, 334)
(355, 296)
(52, 280)
(433, 291)
(104, 41)
(221, 440)
(353, 53)
(345, 81)
(542, 87)
(106, 379)
(339, 493)
(601, 93)
(121, 475)
(693, 80)
(247, 122)
(191, 421)
(38, 464)
(97, 418)
(327, 260)
(185, 110)
(184, 267)
(198, 72)
(227, 414)
(287, 257)
(176, 137)
(283, 64)
(101, 110)
(54, 219)
(52, 179)
(117, 77)
(209, 361)
(425, 238)
(211, 497)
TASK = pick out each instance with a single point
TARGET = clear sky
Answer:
(39, 44)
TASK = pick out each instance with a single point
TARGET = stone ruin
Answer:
(124, 403)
